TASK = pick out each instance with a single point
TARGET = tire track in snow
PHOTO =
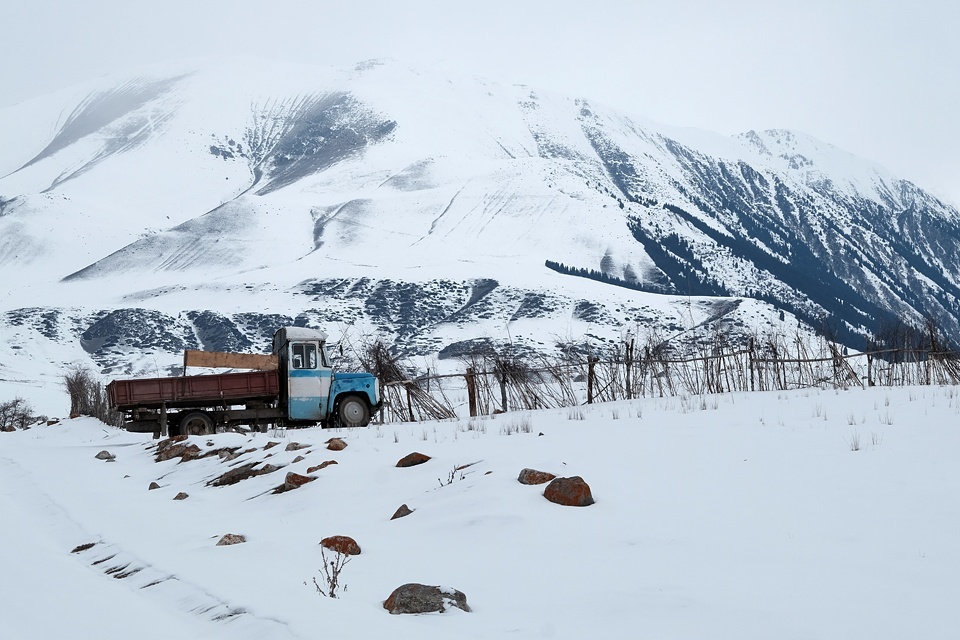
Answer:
(111, 561)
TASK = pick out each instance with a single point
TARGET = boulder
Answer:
(402, 512)
(336, 444)
(294, 446)
(106, 456)
(570, 492)
(231, 538)
(421, 598)
(153, 485)
(412, 459)
(342, 544)
(270, 445)
(298, 459)
(181, 496)
(322, 465)
(532, 476)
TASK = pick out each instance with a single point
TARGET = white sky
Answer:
(879, 79)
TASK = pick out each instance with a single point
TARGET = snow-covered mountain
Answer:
(202, 203)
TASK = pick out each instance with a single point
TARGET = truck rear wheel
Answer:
(352, 411)
(196, 423)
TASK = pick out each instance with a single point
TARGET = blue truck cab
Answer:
(309, 388)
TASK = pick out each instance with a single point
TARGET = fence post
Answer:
(503, 390)
(409, 402)
(472, 391)
(591, 377)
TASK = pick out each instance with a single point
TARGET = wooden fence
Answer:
(492, 384)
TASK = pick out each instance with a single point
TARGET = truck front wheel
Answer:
(352, 411)
(196, 423)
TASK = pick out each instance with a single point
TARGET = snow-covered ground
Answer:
(736, 516)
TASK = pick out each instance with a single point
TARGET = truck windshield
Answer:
(304, 355)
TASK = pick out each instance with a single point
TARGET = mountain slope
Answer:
(240, 176)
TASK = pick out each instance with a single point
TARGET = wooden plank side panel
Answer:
(207, 390)
(224, 360)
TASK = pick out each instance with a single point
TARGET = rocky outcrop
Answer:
(421, 598)
(532, 476)
(570, 492)
(322, 465)
(293, 481)
(242, 473)
(341, 544)
(402, 512)
(412, 459)
(336, 444)
(176, 447)
(231, 538)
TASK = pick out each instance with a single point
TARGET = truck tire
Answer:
(353, 411)
(196, 423)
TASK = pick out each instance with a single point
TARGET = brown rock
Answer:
(231, 538)
(403, 511)
(293, 446)
(336, 444)
(293, 481)
(181, 496)
(176, 447)
(106, 456)
(532, 476)
(322, 465)
(153, 485)
(342, 544)
(270, 445)
(570, 492)
(242, 473)
(421, 598)
(412, 460)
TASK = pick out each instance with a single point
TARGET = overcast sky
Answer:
(880, 79)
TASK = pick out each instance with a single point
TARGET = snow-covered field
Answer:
(735, 516)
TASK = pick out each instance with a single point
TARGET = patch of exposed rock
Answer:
(412, 459)
(570, 492)
(421, 598)
(242, 472)
(336, 444)
(177, 447)
(106, 456)
(231, 538)
(293, 481)
(532, 476)
(322, 465)
(342, 544)
(402, 512)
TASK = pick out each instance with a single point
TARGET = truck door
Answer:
(308, 382)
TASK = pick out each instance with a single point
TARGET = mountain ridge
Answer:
(232, 177)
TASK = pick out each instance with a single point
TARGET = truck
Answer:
(294, 386)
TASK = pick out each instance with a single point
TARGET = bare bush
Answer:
(331, 573)
(16, 414)
(88, 396)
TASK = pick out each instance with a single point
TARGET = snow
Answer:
(745, 515)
